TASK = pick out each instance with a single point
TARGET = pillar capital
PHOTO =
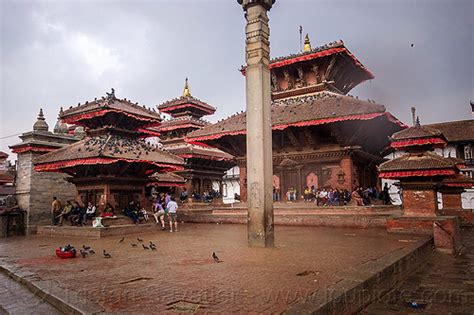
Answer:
(267, 4)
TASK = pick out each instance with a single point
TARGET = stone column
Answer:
(259, 133)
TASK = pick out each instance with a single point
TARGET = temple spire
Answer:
(40, 124)
(186, 91)
(307, 44)
(413, 115)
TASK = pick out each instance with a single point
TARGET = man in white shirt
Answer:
(172, 207)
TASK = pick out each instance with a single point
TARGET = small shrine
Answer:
(112, 164)
(422, 174)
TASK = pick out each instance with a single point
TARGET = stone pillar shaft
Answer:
(259, 133)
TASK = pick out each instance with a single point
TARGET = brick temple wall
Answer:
(421, 202)
(35, 190)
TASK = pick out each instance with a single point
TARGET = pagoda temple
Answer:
(205, 166)
(422, 175)
(321, 136)
(112, 163)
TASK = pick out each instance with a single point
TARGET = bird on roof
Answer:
(145, 247)
(122, 239)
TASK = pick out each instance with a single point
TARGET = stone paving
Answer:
(17, 299)
(182, 276)
(445, 285)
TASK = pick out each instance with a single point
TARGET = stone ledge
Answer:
(365, 283)
(65, 300)
(91, 232)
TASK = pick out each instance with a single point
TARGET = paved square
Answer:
(182, 276)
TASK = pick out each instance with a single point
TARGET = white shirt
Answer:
(172, 206)
(90, 209)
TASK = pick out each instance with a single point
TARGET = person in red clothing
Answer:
(108, 211)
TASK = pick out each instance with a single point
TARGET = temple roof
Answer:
(106, 150)
(184, 103)
(320, 108)
(182, 122)
(413, 138)
(416, 165)
(187, 150)
(166, 179)
(417, 132)
(454, 131)
(110, 104)
(458, 180)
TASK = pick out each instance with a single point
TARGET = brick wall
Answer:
(421, 202)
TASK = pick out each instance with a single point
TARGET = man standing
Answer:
(55, 211)
(172, 206)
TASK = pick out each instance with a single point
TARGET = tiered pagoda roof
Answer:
(107, 149)
(419, 136)
(312, 110)
(186, 113)
(186, 105)
(308, 90)
(329, 67)
(420, 162)
(113, 128)
(105, 111)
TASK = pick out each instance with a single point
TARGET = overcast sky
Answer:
(59, 53)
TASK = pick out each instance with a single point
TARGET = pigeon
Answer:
(83, 253)
(140, 240)
(123, 239)
(412, 45)
(216, 259)
(145, 247)
(106, 255)
(153, 248)
(152, 244)
(134, 245)
(91, 251)
(86, 247)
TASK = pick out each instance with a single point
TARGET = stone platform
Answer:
(311, 269)
(298, 214)
(119, 225)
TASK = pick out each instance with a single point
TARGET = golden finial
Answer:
(307, 44)
(186, 91)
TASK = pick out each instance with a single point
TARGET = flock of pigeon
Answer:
(87, 250)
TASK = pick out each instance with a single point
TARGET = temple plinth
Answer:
(259, 124)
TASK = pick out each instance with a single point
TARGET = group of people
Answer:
(165, 204)
(76, 214)
(207, 196)
(337, 197)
